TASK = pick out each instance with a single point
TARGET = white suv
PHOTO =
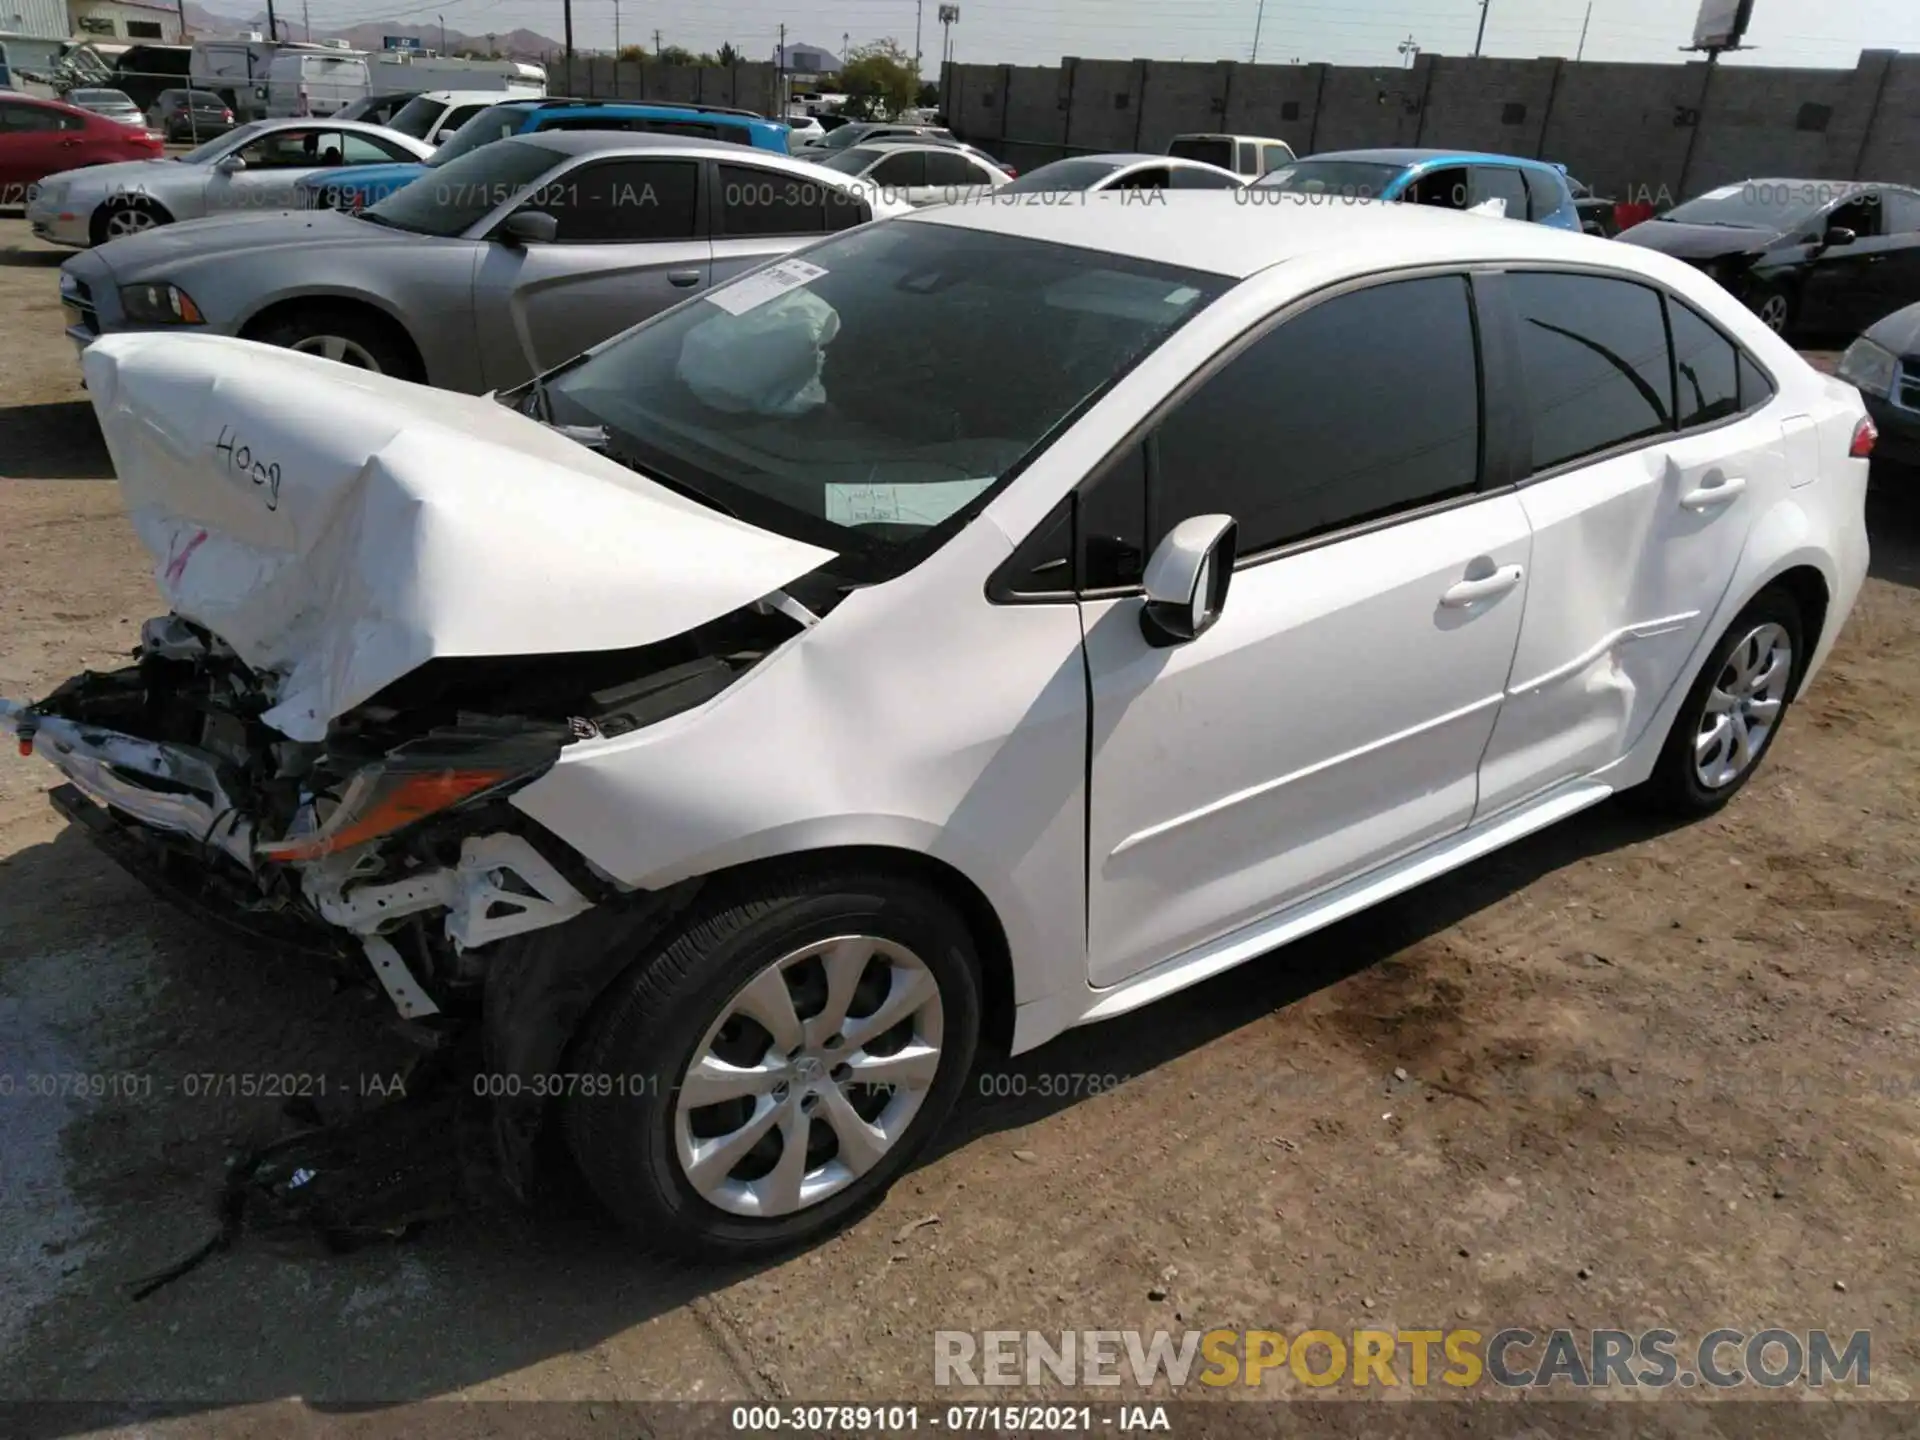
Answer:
(968, 627)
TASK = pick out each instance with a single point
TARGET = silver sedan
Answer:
(503, 262)
(254, 168)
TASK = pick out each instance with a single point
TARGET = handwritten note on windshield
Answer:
(896, 504)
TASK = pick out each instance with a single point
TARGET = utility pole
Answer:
(656, 44)
(1259, 15)
(1480, 39)
(443, 28)
(780, 71)
(306, 23)
(567, 10)
(918, 6)
(616, 36)
(1410, 48)
(273, 28)
(1583, 32)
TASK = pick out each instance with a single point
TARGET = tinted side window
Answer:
(1594, 354)
(1247, 160)
(754, 201)
(1493, 182)
(1544, 196)
(623, 200)
(1706, 365)
(1446, 189)
(1185, 179)
(1154, 177)
(1272, 157)
(17, 118)
(1902, 212)
(1289, 437)
(1755, 388)
(950, 167)
(460, 115)
(903, 170)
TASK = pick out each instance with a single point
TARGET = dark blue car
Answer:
(369, 183)
(1451, 179)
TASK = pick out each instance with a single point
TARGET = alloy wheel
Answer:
(339, 348)
(809, 1076)
(1773, 313)
(1743, 707)
(129, 220)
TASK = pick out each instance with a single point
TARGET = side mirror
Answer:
(529, 227)
(1186, 580)
(230, 163)
(1839, 235)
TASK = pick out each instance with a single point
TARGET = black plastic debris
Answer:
(374, 1175)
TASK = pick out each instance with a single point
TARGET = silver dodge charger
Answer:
(483, 271)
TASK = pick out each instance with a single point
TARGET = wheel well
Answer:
(335, 305)
(97, 228)
(983, 922)
(1809, 591)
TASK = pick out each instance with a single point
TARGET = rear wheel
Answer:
(775, 1066)
(1733, 712)
(1774, 305)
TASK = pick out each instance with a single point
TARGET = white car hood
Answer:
(341, 528)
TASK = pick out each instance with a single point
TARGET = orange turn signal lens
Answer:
(398, 803)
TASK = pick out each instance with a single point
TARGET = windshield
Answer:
(449, 198)
(1772, 206)
(852, 160)
(846, 135)
(1350, 179)
(416, 117)
(496, 122)
(214, 149)
(877, 388)
(1064, 175)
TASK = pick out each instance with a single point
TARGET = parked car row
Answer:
(978, 624)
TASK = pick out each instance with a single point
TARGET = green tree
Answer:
(729, 56)
(676, 55)
(633, 53)
(879, 80)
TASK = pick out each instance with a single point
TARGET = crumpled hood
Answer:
(341, 528)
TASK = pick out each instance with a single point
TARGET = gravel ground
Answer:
(1618, 1076)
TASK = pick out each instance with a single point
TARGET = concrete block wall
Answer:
(1650, 132)
(749, 87)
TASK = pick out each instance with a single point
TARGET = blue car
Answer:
(369, 183)
(1451, 179)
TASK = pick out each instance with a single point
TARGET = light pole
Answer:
(918, 7)
(443, 33)
(949, 17)
(1259, 15)
(1480, 39)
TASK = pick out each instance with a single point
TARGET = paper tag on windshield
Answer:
(882, 504)
(764, 285)
(1725, 192)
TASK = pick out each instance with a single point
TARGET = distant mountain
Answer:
(510, 44)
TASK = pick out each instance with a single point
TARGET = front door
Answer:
(1335, 716)
(1638, 518)
(630, 244)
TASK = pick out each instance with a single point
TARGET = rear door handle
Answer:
(683, 278)
(1708, 496)
(1472, 592)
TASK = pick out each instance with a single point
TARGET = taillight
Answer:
(1865, 436)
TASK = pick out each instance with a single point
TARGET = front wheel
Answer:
(1733, 712)
(1774, 305)
(762, 1078)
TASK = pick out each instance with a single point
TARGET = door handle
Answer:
(683, 278)
(1472, 592)
(1708, 496)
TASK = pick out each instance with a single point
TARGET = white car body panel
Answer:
(1316, 751)
(346, 539)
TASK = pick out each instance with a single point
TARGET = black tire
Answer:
(107, 219)
(384, 346)
(1675, 787)
(651, 1020)
(1776, 305)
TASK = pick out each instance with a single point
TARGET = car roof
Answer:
(589, 142)
(1216, 231)
(459, 97)
(1412, 156)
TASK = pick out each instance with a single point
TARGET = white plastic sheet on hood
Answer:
(340, 528)
(764, 359)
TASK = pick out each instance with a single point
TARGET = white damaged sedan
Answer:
(970, 627)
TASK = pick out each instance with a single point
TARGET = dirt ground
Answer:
(1614, 1077)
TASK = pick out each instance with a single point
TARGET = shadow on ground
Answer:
(59, 440)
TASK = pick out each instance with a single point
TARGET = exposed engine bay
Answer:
(391, 843)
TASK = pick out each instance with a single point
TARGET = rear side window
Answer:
(1494, 183)
(1153, 177)
(1706, 368)
(950, 167)
(1903, 212)
(1755, 388)
(1249, 154)
(905, 169)
(1213, 149)
(754, 201)
(1593, 352)
(1189, 179)
(1288, 438)
(1545, 197)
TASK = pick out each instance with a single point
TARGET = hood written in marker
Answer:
(341, 529)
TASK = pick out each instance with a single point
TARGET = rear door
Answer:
(1639, 507)
(903, 175)
(954, 176)
(757, 212)
(35, 141)
(631, 242)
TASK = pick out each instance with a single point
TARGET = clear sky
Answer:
(1360, 32)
